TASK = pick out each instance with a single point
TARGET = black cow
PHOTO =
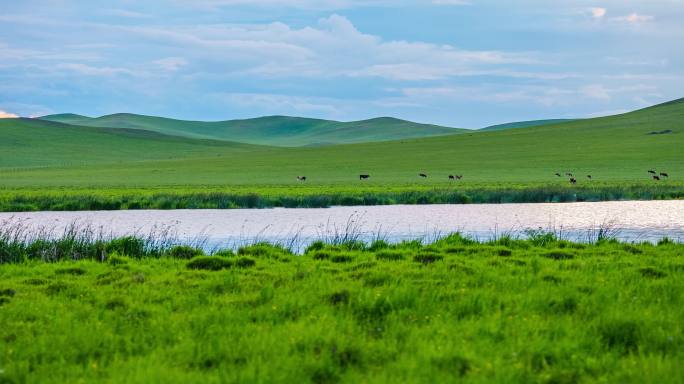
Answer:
(422, 175)
(573, 180)
(452, 177)
(664, 174)
(459, 177)
(589, 177)
(364, 177)
(656, 177)
(558, 174)
(652, 172)
(301, 178)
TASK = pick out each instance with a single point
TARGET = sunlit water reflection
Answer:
(627, 220)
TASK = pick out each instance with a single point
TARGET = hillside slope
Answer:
(272, 130)
(615, 148)
(38, 143)
(523, 124)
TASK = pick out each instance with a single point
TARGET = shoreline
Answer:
(237, 197)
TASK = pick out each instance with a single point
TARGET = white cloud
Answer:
(335, 47)
(634, 18)
(7, 115)
(89, 70)
(597, 12)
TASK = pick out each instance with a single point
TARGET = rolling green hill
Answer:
(272, 130)
(33, 143)
(523, 124)
(611, 149)
(67, 118)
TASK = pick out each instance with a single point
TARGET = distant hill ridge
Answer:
(268, 130)
(289, 131)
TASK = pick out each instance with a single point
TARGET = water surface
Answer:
(628, 220)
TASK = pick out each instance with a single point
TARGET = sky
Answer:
(460, 63)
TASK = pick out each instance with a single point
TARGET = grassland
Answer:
(43, 159)
(511, 311)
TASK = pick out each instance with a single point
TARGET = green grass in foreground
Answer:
(539, 310)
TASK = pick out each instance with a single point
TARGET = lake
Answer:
(633, 221)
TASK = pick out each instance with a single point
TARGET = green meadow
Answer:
(541, 310)
(45, 158)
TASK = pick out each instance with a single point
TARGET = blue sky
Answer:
(453, 62)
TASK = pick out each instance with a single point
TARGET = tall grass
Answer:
(18, 201)
(510, 310)
(20, 242)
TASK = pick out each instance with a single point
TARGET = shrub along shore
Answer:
(133, 310)
(51, 199)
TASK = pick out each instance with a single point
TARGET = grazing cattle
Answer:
(589, 177)
(422, 175)
(558, 174)
(573, 180)
(459, 177)
(301, 178)
(452, 177)
(656, 177)
(663, 174)
(364, 177)
(652, 172)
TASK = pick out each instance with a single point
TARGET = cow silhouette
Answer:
(301, 178)
(573, 180)
(664, 174)
(364, 177)
(656, 177)
(422, 175)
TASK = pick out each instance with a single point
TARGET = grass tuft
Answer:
(559, 255)
(210, 263)
(184, 252)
